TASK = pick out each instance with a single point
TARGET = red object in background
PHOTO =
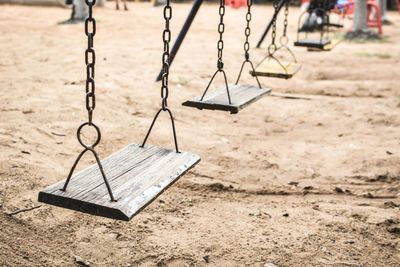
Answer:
(348, 8)
(374, 22)
(236, 3)
(398, 5)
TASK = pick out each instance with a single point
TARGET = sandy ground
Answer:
(294, 182)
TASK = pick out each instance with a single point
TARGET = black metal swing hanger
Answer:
(166, 35)
(90, 99)
(220, 47)
(246, 45)
(283, 40)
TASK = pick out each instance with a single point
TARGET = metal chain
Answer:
(246, 45)
(247, 31)
(166, 36)
(166, 56)
(285, 22)
(90, 60)
(221, 29)
(274, 23)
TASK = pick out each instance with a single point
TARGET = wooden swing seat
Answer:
(336, 25)
(311, 42)
(241, 96)
(136, 176)
(327, 47)
(271, 68)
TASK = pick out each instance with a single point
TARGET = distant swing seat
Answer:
(336, 25)
(328, 47)
(312, 42)
(283, 69)
(137, 175)
(271, 66)
(240, 96)
(230, 97)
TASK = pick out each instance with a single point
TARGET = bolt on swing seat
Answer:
(230, 97)
(123, 184)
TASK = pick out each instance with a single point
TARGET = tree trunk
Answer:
(360, 28)
(360, 16)
(79, 11)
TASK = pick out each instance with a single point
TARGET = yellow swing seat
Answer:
(327, 47)
(272, 68)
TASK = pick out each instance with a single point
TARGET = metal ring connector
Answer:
(284, 40)
(78, 134)
(271, 49)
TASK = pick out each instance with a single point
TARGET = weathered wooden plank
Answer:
(125, 167)
(124, 183)
(271, 68)
(241, 96)
(312, 42)
(111, 169)
(328, 47)
(136, 176)
(336, 25)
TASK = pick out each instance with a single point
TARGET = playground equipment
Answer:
(233, 97)
(124, 183)
(271, 66)
(398, 5)
(311, 42)
(236, 3)
(317, 20)
(373, 13)
(189, 20)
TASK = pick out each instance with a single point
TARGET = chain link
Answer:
(274, 23)
(246, 45)
(221, 29)
(90, 60)
(166, 36)
(284, 40)
(285, 22)
(272, 47)
(247, 31)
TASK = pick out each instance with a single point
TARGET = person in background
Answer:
(117, 4)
